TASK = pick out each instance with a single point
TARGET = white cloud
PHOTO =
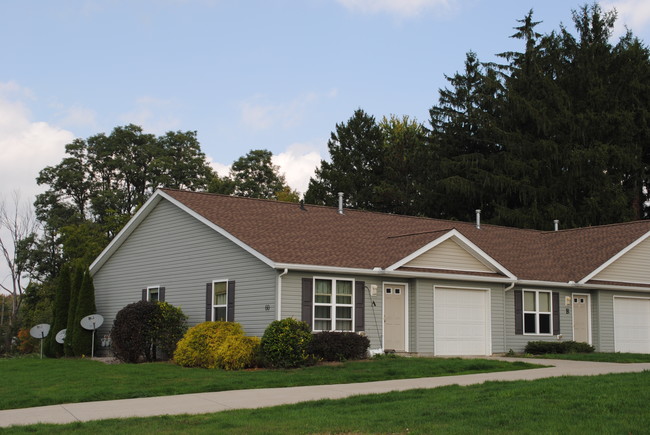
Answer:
(400, 8)
(635, 14)
(259, 114)
(27, 146)
(154, 115)
(298, 163)
(219, 168)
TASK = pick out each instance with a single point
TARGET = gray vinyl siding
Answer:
(518, 342)
(172, 249)
(603, 310)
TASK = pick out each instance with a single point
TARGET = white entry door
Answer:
(631, 325)
(395, 317)
(581, 306)
(461, 321)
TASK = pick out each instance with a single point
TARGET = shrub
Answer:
(339, 346)
(238, 352)
(141, 327)
(285, 344)
(81, 337)
(558, 347)
(26, 343)
(200, 345)
(60, 310)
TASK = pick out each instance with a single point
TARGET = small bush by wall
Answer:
(200, 344)
(285, 344)
(238, 352)
(543, 347)
(339, 346)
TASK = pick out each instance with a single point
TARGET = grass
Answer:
(32, 382)
(627, 358)
(591, 404)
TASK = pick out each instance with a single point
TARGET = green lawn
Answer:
(599, 357)
(591, 404)
(33, 382)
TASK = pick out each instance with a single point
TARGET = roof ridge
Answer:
(596, 227)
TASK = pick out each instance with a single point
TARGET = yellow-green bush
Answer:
(200, 345)
(238, 352)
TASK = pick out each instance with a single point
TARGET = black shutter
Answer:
(556, 313)
(359, 306)
(307, 298)
(230, 311)
(161, 294)
(144, 294)
(208, 302)
(519, 312)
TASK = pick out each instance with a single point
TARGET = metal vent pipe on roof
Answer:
(556, 224)
(340, 202)
(478, 218)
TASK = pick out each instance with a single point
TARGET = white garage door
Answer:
(461, 321)
(632, 325)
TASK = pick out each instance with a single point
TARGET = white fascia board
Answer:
(219, 230)
(124, 233)
(472, 249)
(606, 264)
(388, 273)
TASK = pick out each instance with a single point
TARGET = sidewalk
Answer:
(201, 403)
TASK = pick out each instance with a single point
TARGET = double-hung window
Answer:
(538, 312)
(219, 301)
(333, 304)
(153, 294)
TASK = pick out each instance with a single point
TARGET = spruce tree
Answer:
(82, 338)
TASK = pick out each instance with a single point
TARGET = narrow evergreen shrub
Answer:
(200, 345)
(238, 352)
(77, 276)
(82, 337)
(339, 346)
(285, 344)
(61, 309)
(558, 347)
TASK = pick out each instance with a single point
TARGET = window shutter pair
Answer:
(161, 294)
(519, 312)
(308, 302)
(230, 308)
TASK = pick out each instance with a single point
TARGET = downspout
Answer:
(278, 296)
(505, 334)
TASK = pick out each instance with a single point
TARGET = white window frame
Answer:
(333, 304)
(212, 316)
(536, 312)
(153, 287)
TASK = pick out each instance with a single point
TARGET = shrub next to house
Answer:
(339, 346)
(201, 345)
(543, 347)
(285, 344)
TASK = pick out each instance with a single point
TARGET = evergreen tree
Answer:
(81, 337)
(75, 286)
(60, 321)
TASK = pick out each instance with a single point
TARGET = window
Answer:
(219, 301)
(537, 312)
(333, 304)
(153, 294)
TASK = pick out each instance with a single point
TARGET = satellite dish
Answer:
(60, 336)
(92, 322)
(40, 331)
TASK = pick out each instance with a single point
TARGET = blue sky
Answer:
(274, 74)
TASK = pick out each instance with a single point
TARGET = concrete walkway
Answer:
(200, 403)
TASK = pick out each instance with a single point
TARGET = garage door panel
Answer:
(632, 325)
(461, 322)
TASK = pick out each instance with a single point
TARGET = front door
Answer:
(581, 318)
(394, 317)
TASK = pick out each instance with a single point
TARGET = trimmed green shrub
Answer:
(81, 337)
(200, 345)
(558, 347)
(238, 352)
(339, 346)
(285, 344)
(140, 328)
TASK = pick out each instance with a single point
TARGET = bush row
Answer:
(543, 347)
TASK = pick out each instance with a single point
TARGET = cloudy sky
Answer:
(274, 74)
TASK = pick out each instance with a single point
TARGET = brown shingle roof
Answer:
(316, 235)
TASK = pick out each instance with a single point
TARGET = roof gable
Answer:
(628, 266)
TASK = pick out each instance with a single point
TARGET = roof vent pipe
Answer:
(478, 218)
(556, 223)
(340, 202)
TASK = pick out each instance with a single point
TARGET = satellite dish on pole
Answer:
(40, 331)
(60, 336)
(91, 323)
